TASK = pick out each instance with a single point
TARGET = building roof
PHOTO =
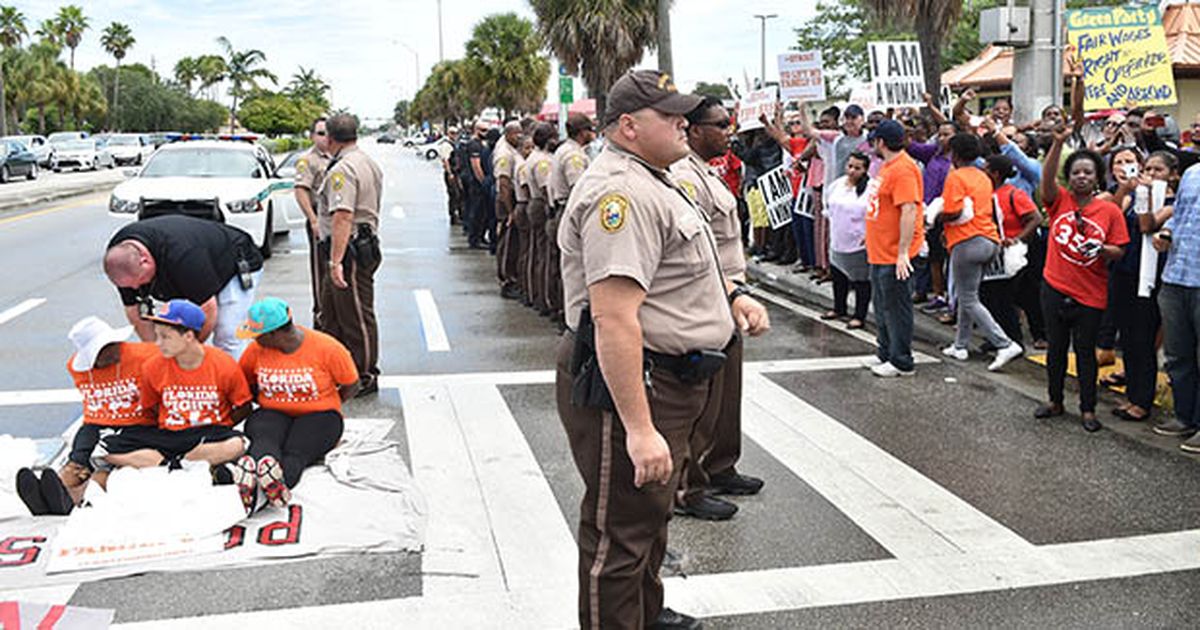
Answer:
(993, 68)
(1181, 22)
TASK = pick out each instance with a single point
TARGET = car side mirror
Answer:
(286, 172)
(130, 173)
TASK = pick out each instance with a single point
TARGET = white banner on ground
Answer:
(362, 501)
(776, 188)
(897, 75)
(757, 103)
(801, 76)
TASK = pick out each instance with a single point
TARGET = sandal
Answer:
(1048, 411)
(948, 319)
(1128, 416)
(1116, 379)
(830, 315)
(854, 324)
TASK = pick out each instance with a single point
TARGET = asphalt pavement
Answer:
(931, 502)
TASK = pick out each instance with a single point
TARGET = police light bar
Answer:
(239, 137)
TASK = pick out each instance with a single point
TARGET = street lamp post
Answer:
(762, 42)
(441, 57)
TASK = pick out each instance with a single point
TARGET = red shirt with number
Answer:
(201, 397)
(111, 397)
(1068, 270)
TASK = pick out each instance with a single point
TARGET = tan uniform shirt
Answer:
(539, 173)
(700, 181)
(570, 161)
(626, 218)
(522, 179)
(354, 183)
(310, 171)
(504, 160)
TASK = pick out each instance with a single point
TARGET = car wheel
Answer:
(33, 171)
(430, 154)
(4, 175)
(265, 250)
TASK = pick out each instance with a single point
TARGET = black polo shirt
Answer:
(194, 258)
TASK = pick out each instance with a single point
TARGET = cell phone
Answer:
(1090, 249)
(1131, 171)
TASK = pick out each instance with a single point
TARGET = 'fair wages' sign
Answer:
(897, 74)
(776, 189)
(801, 76)
(757, 103)
(1124, 55)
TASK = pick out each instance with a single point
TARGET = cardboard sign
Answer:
(897, 75)
(757, 103)
(776, 189)
(1124, 55)
(757, 208)
(801, 76)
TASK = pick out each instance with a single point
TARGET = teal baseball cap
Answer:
(264, 316)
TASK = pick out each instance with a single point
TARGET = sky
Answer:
(370, 51)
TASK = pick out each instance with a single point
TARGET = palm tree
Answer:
(71, 24)
(505, 64)
(933, 21)
(600, 39)
(187, 70)
(307, 85)
(211, 70)
(242, 73)
(49, 32)
(12, 31)
(117, 40)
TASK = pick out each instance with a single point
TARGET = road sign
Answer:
(566, 90)
(897, 74)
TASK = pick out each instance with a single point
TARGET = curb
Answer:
(53, 195)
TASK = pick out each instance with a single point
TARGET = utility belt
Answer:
(554, 209)
(363, 248)
(588, 388)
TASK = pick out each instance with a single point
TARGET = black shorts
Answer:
(83, 445)
(170, 443)
(937, 248)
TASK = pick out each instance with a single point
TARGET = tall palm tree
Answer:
(211, 70)
(242, 73)
(600, 39)
(50, 32)
(187, 71)
(12, 31)
(71, 23)
(307, 85)
(932, 20)
(117, 40)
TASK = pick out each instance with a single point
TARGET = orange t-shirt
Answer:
(111, 396)
(303, 382)
(194, 398)
(962, 183)
(900, 182)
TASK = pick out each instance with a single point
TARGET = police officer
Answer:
(474, 180)
(349, 222)
(570, 161)
(520, 220)
(310, 169)
(538, 165)
(454, 193)
(649, 314)
(505, 156)
(716, 444)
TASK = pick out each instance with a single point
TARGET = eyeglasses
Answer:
(318, 133)
(716, 124)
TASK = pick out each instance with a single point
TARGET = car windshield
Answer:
(201, 163)
(118, 141)
(79, 145)
(66, 137)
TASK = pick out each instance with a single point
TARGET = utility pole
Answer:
(441, 52)
(762, 41)
(1033, 88)
(664, 37)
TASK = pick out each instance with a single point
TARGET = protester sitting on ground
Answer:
(1020, 220)
(846, 202)
(106, 368)
(1137, 318)
(973, 238)
(1086, 233)
(199, 394)
(299, 378)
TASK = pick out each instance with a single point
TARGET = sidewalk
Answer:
(53, 186)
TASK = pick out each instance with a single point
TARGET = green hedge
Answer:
(285, 144)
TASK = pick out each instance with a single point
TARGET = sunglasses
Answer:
(716, 124)
(319, 133)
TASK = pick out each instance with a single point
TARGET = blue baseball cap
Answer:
(890, 131)
(853, 111)
(179, 313)
(264, 316)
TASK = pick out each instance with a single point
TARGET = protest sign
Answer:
(897, 76)
(776, 189)
(757, 103)
(757, 208)
(801, 76)
(1124, 55)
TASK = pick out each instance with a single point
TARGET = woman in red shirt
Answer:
(1086, 234)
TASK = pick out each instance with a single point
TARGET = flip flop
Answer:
(1116, 379)
(854, 324)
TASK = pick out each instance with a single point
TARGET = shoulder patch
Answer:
(301, 165)
(543, 167)
(337, 180)
(502, 163)
(613, 208)
(689, 188)
(576, 161)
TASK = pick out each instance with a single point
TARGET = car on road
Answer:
(87, 153)
(433, 150)
(130, 148)
(59, 137)
(386, 139)
(414, 140)
(16, 160)
(234, 182)
(40, 146)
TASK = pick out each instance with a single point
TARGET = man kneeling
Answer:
(200, 394)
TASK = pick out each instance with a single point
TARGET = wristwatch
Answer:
(738, 292)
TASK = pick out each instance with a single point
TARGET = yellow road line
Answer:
(66, 206)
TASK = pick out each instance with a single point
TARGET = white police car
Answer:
(230, 181)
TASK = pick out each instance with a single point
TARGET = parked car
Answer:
(386, 139)
(414, 140)
(432, 150)
(40, 146)
(59, 137)
(16, 160)
(130, 148)
(80, 154)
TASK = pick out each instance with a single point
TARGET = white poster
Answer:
(757, 103)
(801, 76)
(897, 76)
(776, 188)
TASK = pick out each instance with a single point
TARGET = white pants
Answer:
(233, 302)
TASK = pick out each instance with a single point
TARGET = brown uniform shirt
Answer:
(521, 180)
(504, 160)
(626, 218)
(541, 164)
(700, 181)
(570, 161)
(310, 171)
(353, 183)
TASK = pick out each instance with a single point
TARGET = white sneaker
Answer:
(871, 361)
(954, 352)
(1004, 355)
(887, 370)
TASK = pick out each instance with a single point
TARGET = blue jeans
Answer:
(802, 232)
(893, 316)
(1180, 308)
